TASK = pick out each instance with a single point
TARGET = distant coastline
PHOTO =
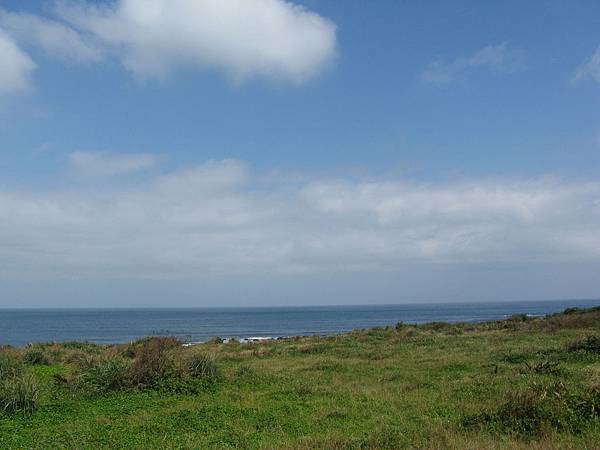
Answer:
(109, 326)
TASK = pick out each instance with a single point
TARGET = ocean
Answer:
(18, 327)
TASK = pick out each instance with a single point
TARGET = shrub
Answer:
(436, 326)
(542, 408)
(574, 318)
(514, 358)
(542, 367)
(132, 349)
(103, 376)
(203, 366)
(82, 345)
(35, 356)
(590, 344)
(519, 318)
(154, 361)
(19, 394)
(79, 358)
(10, 366)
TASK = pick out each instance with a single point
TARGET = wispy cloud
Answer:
(108, 164)
(16, 67)
(590, 68)
(501, 57)
(56, 39)
(221, 218)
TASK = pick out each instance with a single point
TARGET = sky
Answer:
(270, 152)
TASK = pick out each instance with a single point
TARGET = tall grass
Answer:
(10, 365)
(35, 356)
(19, 394)
(540, 408)
(203, 366)
(103, 376)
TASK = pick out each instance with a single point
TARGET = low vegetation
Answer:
(519, 383)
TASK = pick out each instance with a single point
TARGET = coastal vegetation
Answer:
(522, 382)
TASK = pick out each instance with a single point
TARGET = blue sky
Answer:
(383, 152)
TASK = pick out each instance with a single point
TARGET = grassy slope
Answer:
(381, 388)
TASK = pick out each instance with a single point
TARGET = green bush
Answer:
(19, 394)
(154, 361)
(10, 366)
(103, 376)
(590, 344)
(543, 408)
(35, 356)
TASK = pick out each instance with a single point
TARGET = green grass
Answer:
(520, 383)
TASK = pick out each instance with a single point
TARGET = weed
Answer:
(103, 376)
(19, 394)
(35, 356)
(203, 366)
(590, 344)
(10, 365)
(540, 409)
(154, 360)
(514, 358)
(542, 367)
(245, 371)
(436, 326)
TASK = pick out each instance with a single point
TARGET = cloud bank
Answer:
(499, 57)
(221, 218)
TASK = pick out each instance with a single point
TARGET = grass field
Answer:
(519, 383)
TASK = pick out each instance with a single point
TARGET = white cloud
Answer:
(16, 66)
(54, 38)
(499, 57)
(220, 218)
(107, 164)
(590, 68)
(275, 39)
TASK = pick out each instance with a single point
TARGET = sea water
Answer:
(20, 327)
